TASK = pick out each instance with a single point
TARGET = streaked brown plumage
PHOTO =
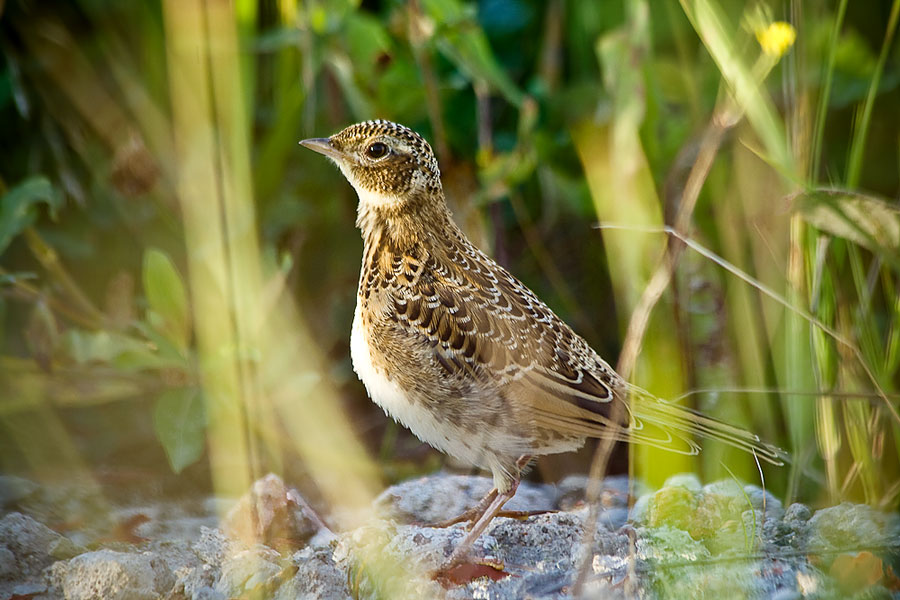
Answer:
(462, 353)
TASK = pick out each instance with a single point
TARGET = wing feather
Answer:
(484, 325)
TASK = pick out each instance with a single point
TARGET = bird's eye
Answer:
(377, 150)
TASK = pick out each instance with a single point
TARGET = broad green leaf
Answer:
(166, 296)
(400, 90)
(164, 349)
(461, 39)
(366, 41)
(117, 349)
(865, 220)
(18, 207)
(179, 419)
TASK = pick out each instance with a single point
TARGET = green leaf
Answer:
(462, 40)
(18, 207)
(117, 349)
(400, 90)
(179, 419)
(366, 41)
(864, 220)
(167, 297)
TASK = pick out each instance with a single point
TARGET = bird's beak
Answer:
(323, 146)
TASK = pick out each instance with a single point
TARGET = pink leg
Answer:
(473, 514)
(486, 516)
(480, 525)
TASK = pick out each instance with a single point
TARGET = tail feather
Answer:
(656, 422)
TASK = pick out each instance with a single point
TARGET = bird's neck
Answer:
(402, 223)
(397, 236)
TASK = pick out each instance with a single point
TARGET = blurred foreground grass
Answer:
(167, 248)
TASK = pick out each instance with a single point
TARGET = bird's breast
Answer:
(428, 415)
(387, 392)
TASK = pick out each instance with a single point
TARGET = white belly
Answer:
(481, 447)
(390, 397)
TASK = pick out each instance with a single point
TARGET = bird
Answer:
(455, 348)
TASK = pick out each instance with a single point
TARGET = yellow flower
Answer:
(777, 38)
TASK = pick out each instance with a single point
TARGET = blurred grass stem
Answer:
(766, 290)
(205, 238)
(825, 93)
(861, 131)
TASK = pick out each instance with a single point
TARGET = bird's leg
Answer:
(462, 551)
(478, 527)
(473, 514)
(521, 514)
(524, 514)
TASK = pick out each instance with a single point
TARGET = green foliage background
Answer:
(547, 118)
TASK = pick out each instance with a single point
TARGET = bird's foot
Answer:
(472, 515)
(521, 515)
(460, 570)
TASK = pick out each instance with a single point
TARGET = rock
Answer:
(198, 571)
(797, 513)
(764, 500)
(198, 583)
(538, 557)
(271, 513)
(383, 560)
(685, 540)
(249, 572)
(725, 519)
(32, 545)
(213, 546)
(110, 575)
(550, 538)
(671, 506)
(609, 576)
(30, 590)
(667, 544)
(729, 518)
(540, 553)
(194, 579)
(850, 527)
(440, 497)
(8, 567)
(790, 532)
(162, 521)
(749, 579)
(317, 576)
(601, 587)
(613, 519)
(76, 500)
(615, 492)
(688, 481)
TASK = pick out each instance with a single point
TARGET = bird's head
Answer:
(388, 164)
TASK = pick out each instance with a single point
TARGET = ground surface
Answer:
(685, 540)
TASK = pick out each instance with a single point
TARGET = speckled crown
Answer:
(413, 144)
